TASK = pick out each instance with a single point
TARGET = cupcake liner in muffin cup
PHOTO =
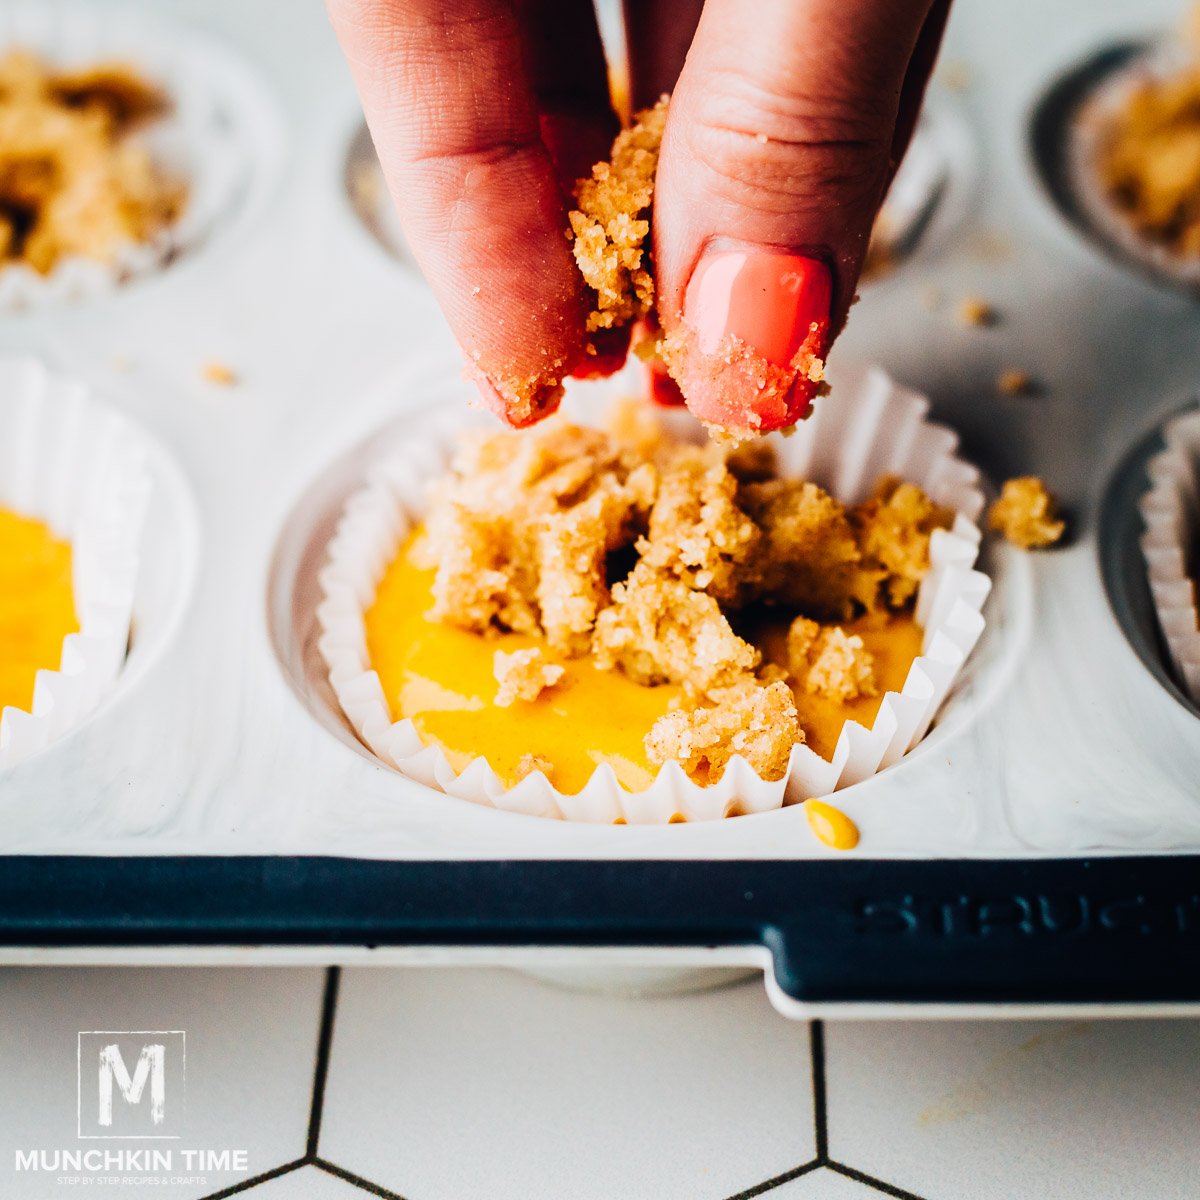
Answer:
(1171, 545)
(80, 468)
(1162, 60)
(867, 428)
(219, 136)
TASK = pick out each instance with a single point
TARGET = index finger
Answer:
(450, 106)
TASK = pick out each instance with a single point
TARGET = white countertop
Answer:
(455, 1083)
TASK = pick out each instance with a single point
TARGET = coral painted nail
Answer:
(755, 329)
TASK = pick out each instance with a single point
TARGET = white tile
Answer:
(822, 1184)
(250, 1050)
(305, 1183)
(993, 1110)
(452, 1083)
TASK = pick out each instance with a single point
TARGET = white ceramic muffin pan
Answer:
(222, 736)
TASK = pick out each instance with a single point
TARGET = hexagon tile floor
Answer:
(449, 1084)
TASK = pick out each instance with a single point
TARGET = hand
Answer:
(786, 123)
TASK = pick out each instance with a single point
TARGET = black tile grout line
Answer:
(816, 1051)
(311, 1158)
(816, 1041)
(372, 1189)
(821, 1113)
(777, 1181)
(255, 1180)
(329, 994)
(329, 998)
(888, 1189)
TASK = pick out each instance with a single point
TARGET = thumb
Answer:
(776, 156)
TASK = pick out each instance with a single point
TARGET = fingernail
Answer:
(756, 324)
(767, 299)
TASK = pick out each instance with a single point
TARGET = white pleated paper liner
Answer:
(1171, 545)
(867, 428)
(1161, 61)
(212, 138)
(79, 467)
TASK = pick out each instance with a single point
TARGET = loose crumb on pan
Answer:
(881, 247)
(955, 76)
(610, 223)
(974, 310)
(1013, 381)
(1026, 514)
(219, 373)
(523, 675)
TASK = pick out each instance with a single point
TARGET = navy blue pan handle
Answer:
(1038, 931)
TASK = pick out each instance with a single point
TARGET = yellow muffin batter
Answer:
(37, 605)
(893, 640)
(443, 679)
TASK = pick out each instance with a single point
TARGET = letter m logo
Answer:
(117, 1102)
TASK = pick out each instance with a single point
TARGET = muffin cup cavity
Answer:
(1171, 545)
(1159, 61)
(869, 427)
(1066, 130)
(931, 192)
(82, 469)
(221, 137)
(366, 191)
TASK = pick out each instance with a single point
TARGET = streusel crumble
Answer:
(74, 180)
(618, 596)
(1148, 159)
(1026, 514)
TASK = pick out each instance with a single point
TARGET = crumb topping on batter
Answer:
(827, 661)
(758, 722)
(893, 529)
(534, 762)
(660, 630)
(73, 178)
(1026, 514)
(523, 675)
(648, 555)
